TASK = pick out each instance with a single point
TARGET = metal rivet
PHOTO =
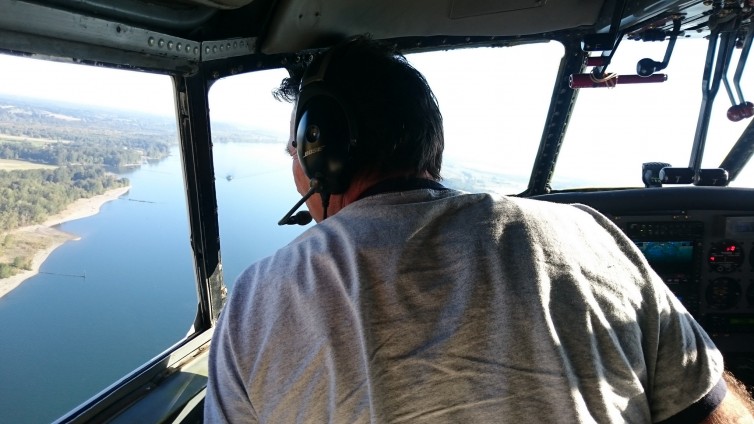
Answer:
(206, 50)
(150, 41)
(179, 46)
(161, 43)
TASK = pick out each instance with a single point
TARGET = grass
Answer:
(17, 165)
(36, 141)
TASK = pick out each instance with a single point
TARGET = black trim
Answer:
(561, 105)
(643, 200)
(199, 175)
(701, 409)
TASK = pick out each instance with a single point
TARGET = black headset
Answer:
(326, 131)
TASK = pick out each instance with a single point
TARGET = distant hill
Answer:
(40, 120)
(45, 120)
(467, 178)
(224, 132)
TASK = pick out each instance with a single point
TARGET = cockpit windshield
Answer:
(494, 102)
(614, 130)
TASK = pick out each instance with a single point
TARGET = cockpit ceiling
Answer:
(291, 26)
(301, 24)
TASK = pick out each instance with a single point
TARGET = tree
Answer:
(8, 241)
(6, 270)
(20, 262)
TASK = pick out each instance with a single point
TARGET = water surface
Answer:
(63, 339)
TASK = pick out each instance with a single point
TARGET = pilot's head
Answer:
(362, 114)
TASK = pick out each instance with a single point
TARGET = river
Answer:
(107, 303)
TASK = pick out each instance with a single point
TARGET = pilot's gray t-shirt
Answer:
(430, 306)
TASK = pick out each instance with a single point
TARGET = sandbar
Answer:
(54, 237)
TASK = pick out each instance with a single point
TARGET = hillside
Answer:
(56, 134)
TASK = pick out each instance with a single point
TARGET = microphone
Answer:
(301, 218)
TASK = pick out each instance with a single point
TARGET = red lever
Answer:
(739, 112)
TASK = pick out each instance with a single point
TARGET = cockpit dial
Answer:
(725, 256)
(723, 293)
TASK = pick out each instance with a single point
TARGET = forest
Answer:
(82, 148)
(30, 196)
(84, 143)
(55, 134)
(64, 154)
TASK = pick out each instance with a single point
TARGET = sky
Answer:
(89, 85)
(494, 102)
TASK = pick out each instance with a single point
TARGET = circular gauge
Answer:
(723, 293)
(725, 256)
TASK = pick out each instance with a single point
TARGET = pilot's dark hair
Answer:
(398, 118)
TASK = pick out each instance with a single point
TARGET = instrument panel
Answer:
(707, 259)
(700, 241)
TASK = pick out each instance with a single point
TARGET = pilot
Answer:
(413, 302)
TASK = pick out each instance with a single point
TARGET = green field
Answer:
(15, 165)
(35, 141)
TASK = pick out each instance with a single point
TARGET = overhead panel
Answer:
(300, 24)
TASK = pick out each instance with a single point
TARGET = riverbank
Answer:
(46, 238)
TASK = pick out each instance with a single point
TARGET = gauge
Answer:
(723, 293)
(725, 256)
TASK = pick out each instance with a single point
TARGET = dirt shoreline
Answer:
(81, 208)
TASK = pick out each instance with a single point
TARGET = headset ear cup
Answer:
(323, 138)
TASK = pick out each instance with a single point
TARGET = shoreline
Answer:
(81, 208)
